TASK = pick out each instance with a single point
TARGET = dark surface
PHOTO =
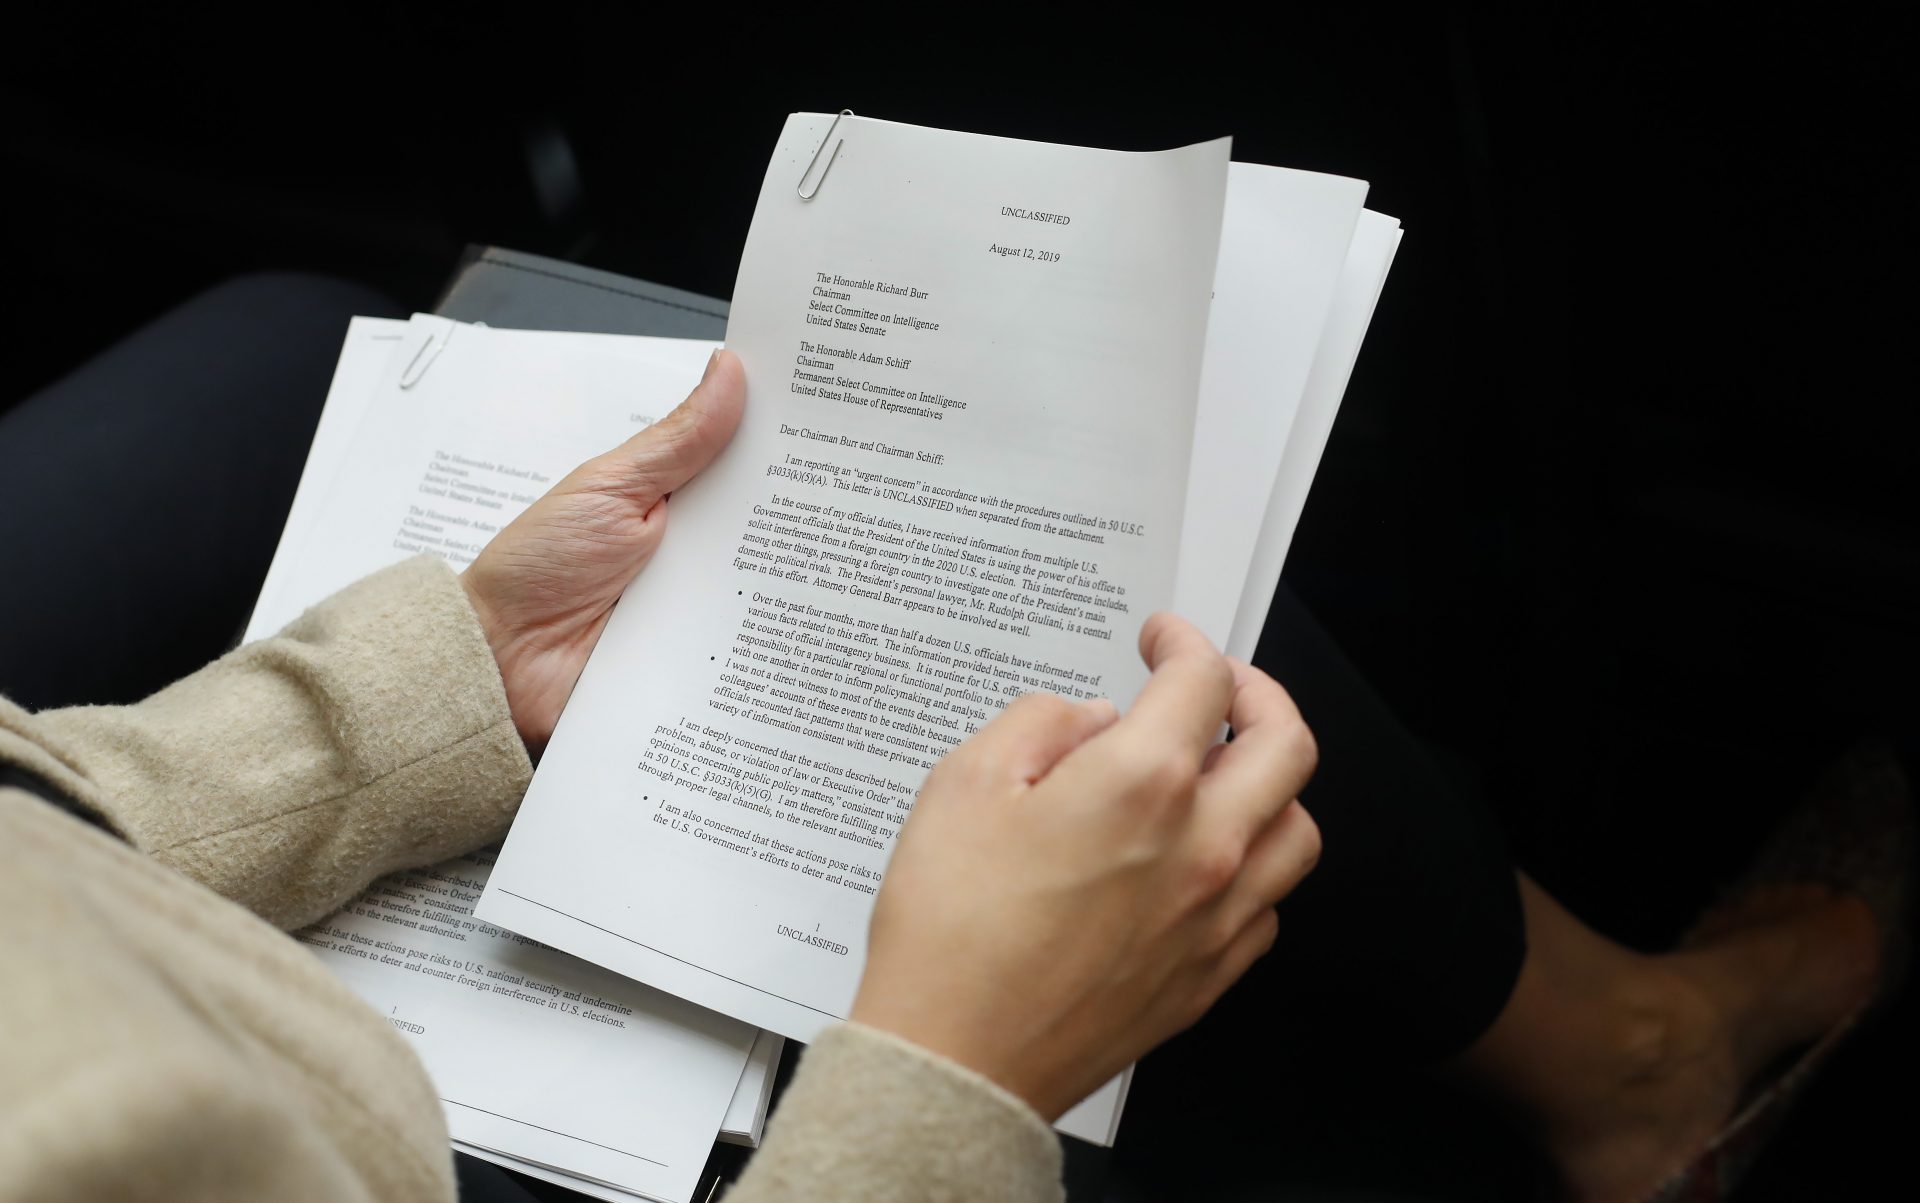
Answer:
(142, 494)
(1616, 514)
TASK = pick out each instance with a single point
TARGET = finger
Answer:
(1029, 737)
(669, 453)
(1272, 754)
(1180, 709)
(1253, 941)
(1281, 857)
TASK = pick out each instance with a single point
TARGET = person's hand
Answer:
(1071, 889)
(545, 584)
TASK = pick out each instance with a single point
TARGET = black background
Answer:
(1618, 513)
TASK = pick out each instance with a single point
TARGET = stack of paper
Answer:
(1004, 401)
(433, 436)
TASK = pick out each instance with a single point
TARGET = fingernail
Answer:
(711, 360)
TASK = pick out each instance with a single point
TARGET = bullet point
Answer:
(739, 592)
(709, 657)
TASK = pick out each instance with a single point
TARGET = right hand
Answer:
(1073, 888)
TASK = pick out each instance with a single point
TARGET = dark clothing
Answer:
(1414, 896)
(1399, 949)
(169, 459)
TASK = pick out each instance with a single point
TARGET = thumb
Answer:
(669, 453)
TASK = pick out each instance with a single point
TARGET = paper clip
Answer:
(799, 189)
(429, 351)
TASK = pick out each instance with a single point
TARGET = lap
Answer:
(141, 496)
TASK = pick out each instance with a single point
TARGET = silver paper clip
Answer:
(799, 189)
(429, 351)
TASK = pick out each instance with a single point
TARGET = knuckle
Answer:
(1311, 843)
(1213, 867)
(1279, 695)
(1267, 927)
(1124, 768)
(1164, 774)
(597, 500)
(1221, 934)
(1134, 762)
(1151, 632)
(607, 472)
(1302, 746)
(1196, 1006)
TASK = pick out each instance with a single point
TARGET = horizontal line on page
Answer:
(570, 1136)
(650, 948)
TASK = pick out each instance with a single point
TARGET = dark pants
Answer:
(142, 495)
(1397, 951)
(140, 502)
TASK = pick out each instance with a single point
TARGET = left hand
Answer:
(544, 586)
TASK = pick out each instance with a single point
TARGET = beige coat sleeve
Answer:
(371, 735)
(870, 1118)
(181, 1048)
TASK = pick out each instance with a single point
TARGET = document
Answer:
(539, 1058)
(972, 370)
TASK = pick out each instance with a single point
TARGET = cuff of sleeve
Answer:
(870, 1116)
(371, 734)
(404, 672)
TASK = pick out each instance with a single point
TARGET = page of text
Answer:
(972, 367)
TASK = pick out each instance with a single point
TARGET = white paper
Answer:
(539, 1056)
(369, 344)
(1375, 240)
(746, 1117)
(1283, 240)
(1245, 418)
(534, 1052)
(735, 845)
